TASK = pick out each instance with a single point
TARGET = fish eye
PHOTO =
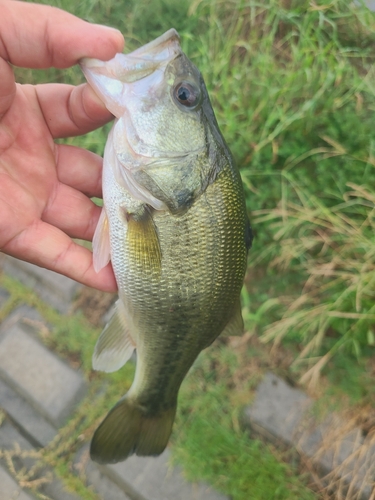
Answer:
(187, 94)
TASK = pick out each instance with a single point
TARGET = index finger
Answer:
(41, 36)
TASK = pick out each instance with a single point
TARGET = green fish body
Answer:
(174, 225)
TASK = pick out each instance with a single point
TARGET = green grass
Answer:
(293, 87)
(73, 338)
(207, 440)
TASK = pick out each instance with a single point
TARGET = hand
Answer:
(45, 188)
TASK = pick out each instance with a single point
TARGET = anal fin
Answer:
(114, 346)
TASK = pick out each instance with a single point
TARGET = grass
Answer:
(207, 440)
(292, 84)
(332, 250)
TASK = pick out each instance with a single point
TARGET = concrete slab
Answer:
(56, 290)
(149, 478)
(46, 382)
(32, 425)
(340, 453)
(9, 489)
(4, 295)
(278, 409)
(370, 4)
(92, 475)
(10, 438)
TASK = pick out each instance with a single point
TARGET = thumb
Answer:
(7, 87)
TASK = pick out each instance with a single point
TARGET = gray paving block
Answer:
(281, 413)
(28, 315)
(148, 478)
(10, 437)
(341, 453)
(56, 290)
(32, 425)
(56, 490)
(93, 476)
(46, 382)
(278, 409)
(370, 4)
(4, 295)
(9, 489)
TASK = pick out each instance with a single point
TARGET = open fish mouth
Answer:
(129, 68)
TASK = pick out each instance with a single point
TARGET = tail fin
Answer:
(127, 429)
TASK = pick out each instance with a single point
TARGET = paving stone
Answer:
(56, 290)
(148, 478)
(11, 438)
(4, 295)
(9, 489)
(93, 476)
(57, 491)
(32, 425)
(281, 413)
(370, 4)
(278, 409)
(46, 382)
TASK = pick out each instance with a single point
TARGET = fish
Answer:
(175, 228)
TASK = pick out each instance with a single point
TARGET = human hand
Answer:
(45, 188)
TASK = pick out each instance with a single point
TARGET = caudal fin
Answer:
(128, 429)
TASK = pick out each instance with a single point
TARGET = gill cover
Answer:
(159, 145)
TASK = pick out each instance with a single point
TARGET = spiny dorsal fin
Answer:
(114, 346)
(143, 241)
(235, 326)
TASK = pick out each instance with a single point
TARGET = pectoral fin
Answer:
(143, 241)
(235, 326)
(100, 243)
(115, 345)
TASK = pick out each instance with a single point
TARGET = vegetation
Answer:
(293, 88)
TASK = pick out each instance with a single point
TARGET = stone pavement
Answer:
(342, 454)
(370, 4)
(38, 391)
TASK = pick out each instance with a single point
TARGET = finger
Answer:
(40, 36)
(70, 110)
(7, 87)
(50, 248)
(72, 212)
(80, 169)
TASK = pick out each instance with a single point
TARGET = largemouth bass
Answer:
(174, 225)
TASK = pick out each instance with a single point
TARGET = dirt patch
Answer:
(94, 304)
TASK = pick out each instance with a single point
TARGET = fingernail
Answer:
(109, 28)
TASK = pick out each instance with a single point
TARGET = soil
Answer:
(94, 304)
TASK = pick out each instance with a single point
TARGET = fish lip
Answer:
(157, 45)
(139, 63)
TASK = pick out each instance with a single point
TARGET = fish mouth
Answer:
(167, 40)
(129, 68)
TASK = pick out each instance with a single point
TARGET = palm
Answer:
(45, 188)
